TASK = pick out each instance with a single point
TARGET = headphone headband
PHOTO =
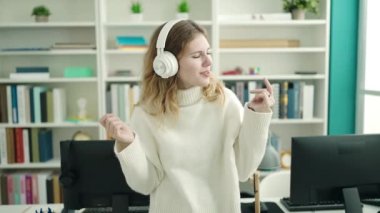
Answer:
(161, 40)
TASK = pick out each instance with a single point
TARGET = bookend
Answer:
(352, 202)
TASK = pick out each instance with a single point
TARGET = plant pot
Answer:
(298, 14)
(182, 15)
(136, 17)
(41, 18)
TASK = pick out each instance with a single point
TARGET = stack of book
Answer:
(28, 73)
(131, 42)
(37, 187)
(73, 45)
(32, 104)
(25, 145)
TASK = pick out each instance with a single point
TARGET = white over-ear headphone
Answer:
(165, 64)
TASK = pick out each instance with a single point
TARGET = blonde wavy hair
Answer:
(159, 95)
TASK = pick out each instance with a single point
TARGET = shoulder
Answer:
(232, 103)
(230, 97)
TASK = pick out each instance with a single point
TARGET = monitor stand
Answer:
(352, 202)
(120, 203)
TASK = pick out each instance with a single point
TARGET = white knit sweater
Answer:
(194, 164)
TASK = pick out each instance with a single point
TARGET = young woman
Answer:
(190, 140)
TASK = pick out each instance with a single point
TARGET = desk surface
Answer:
(58, 207)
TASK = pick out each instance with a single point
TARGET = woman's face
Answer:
(195, 63)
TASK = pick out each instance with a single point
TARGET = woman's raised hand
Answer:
(263, 100)
(117, 129)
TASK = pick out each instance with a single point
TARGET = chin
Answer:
(204, 83)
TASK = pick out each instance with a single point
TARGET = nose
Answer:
(207, 60)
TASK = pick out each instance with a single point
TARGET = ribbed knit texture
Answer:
(194, 164)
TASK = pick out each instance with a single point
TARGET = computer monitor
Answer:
(91, 177)
(321, 166)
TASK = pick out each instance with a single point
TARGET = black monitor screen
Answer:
(322, 166)
(91, 177)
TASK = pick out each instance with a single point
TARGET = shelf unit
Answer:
(100, 21)
(18, 30)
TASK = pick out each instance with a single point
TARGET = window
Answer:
(368, 96)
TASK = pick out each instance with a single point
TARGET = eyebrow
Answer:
(200, 51)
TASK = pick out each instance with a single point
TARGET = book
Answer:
(56, 189)
(276, 95)
(130, 41)
(34, 145)
(114, 99)
(23, 103)
(293, 100)
(284, 99)
(307, 101)
(9, 104)
(34, 188)
(272, 16)
(59, 105)
(121, 101)
(73, 45)
(29, 76)
(252, 85)
(10, 186)
(45, 142)
(3, 146)
(3, 104)
(26, 142)
(14, 103)
(10, 145)
(28, 189)
(4, 189)
(42, 178)
(49, 189)
(19, 145)
(258, 43)
(32, 69)
(37, 90)
(25, 49)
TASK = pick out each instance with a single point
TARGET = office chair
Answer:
(276, 184)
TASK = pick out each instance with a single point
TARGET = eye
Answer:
(209, 52)
(198, 55)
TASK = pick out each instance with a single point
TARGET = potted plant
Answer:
(41, 13)
(136, 11)
(299, 7)
(183, 10)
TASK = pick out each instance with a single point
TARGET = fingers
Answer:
(111, 123)
(268, 86)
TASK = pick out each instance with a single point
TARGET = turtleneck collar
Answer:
(189, 96)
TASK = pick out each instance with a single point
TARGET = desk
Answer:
(58, 207)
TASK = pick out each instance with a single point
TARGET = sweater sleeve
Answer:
(251, 142)
(139, 161)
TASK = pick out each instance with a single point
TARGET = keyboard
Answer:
(326, 205)
(133, 209)
(371, 201)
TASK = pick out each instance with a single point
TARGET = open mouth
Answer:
(205, 74)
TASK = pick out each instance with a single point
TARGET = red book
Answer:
(28, 189)
(11, 199)
(19, 145)
(35, 189)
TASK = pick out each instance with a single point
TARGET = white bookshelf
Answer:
(99, 21)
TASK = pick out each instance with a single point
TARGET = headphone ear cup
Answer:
(165, 65)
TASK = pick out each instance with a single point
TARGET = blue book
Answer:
(293, 100)
(32, 69)
(14, 103)
(130, 40)
(45, 143)
(37, 90)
